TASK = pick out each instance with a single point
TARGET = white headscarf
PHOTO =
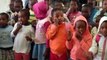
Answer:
(104, 18)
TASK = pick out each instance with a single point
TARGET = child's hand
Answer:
(19, 25)
(79, 36)
(88, 55)
(28, 38)
(69, 35)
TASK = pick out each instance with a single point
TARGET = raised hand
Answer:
(28, 38)
(69, 34)
(19, 25)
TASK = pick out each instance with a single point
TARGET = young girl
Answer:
(99, 45)
(57, 36)
(73, 12)
(6, 42)
(40, 10)
(22, 33)
(80, 41)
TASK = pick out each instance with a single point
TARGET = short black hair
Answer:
(54, 10)
(74, 1)
(5, 14)
(26, 12)
(18, 1)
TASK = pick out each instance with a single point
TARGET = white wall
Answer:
(4, 5)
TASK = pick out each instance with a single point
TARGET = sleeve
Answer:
(66, 18)
(32, 34)
(93, 48)
(51, 31)
(97, 13)
(45, 26)
(93, 31)
(14, 28)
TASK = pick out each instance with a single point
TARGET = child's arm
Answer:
(51, 31)
(32, 35)
(70, 41)
(15, 30)
(18, 27)
(94, 48)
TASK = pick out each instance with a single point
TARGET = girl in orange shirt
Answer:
(80, 41)
(57, 35)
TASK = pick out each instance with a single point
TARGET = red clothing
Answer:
(79, 49)
(20, 56)
(55, 57)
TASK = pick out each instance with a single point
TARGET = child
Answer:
(95, 28)
(40, 10)
(11, 6)
(80, 41)
(23, 33)
(18, 5)
(103, 10)
(59, 5)
(73, 12)
(99, 45)
(57, 36)
(6, 42)
(86, 13)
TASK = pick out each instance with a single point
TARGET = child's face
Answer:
(73, 5)
(22, 17)
(80, 27)
(31, 3)
(3, 20)
(11, 5)
(104, 5)
(58, 16)
(17, 6)
(103, 28)
(85, 12)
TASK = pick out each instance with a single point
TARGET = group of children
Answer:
(56, 35)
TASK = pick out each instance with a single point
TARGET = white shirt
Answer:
(21, 45)
(98, 49)
(40, 33)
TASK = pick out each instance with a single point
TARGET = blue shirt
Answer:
(93, 12)
(5, 37)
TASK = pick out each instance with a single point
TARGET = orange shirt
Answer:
(57, 36)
